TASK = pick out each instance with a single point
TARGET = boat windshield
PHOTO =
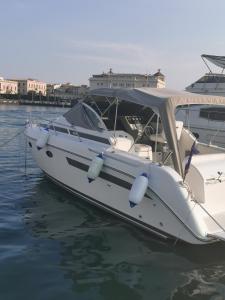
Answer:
(84, 116)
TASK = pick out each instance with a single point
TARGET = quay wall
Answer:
(36, 100)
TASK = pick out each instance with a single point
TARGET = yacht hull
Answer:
(164, 209)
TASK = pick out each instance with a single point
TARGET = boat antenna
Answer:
(117, 102)
(157, 131)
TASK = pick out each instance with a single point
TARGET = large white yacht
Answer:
(207, 122)
(123, 151)
(211, 83)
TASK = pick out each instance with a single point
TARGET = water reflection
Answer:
(104, 255)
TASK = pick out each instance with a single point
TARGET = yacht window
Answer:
(212, 79)
(73, 132)
(90, 137)
(60, 129)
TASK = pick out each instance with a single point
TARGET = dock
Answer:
(58, 103)
(9, 101)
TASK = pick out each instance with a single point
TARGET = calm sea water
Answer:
(55, 246)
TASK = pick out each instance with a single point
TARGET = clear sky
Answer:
(68, 40)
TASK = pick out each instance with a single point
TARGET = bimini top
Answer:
(164, 102)
(158, 97)
(215, 59)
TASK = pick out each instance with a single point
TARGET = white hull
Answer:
(166, 210)
(210, 131)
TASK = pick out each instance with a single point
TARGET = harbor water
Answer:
(54, 245)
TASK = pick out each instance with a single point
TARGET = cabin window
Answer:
(90, 137)
(60, 129)
(211, 79)
(73, 132)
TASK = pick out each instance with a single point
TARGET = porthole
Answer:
(49, 153)
(30, 145)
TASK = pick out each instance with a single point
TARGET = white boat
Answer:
(212, 83)
(207, 123)
(123, 151)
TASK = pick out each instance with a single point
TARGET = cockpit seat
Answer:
(160, 138)
(144, 151)
(122, 143)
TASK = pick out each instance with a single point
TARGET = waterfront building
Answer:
(126, 80)
(8, 86)
(51, 89)
(31, 86)
(66, 91)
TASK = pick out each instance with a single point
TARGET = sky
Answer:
(69, 40)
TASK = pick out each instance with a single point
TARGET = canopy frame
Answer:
(164, 101)
(217, 60)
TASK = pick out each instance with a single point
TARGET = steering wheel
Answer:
(149, 130)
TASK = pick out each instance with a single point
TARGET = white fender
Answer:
(43, 139)
(95, 167)
(138, 189)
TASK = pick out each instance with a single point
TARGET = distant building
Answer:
(126, 80)
(51, 89)
(29, 86)
(66, 90)
(8, 86)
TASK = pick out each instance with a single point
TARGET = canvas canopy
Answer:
(158, 98)
(164, 101)
(215, 59)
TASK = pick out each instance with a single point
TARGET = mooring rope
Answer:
(25, 157)
(12, 138)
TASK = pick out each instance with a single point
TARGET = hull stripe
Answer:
(102, 174)
(113, 210)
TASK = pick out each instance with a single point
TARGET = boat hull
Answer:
(110, 191)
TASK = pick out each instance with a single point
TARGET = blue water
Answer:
(55, 246)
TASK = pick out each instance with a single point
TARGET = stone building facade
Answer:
(29, 86)
(126, 80)
(8, 86)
